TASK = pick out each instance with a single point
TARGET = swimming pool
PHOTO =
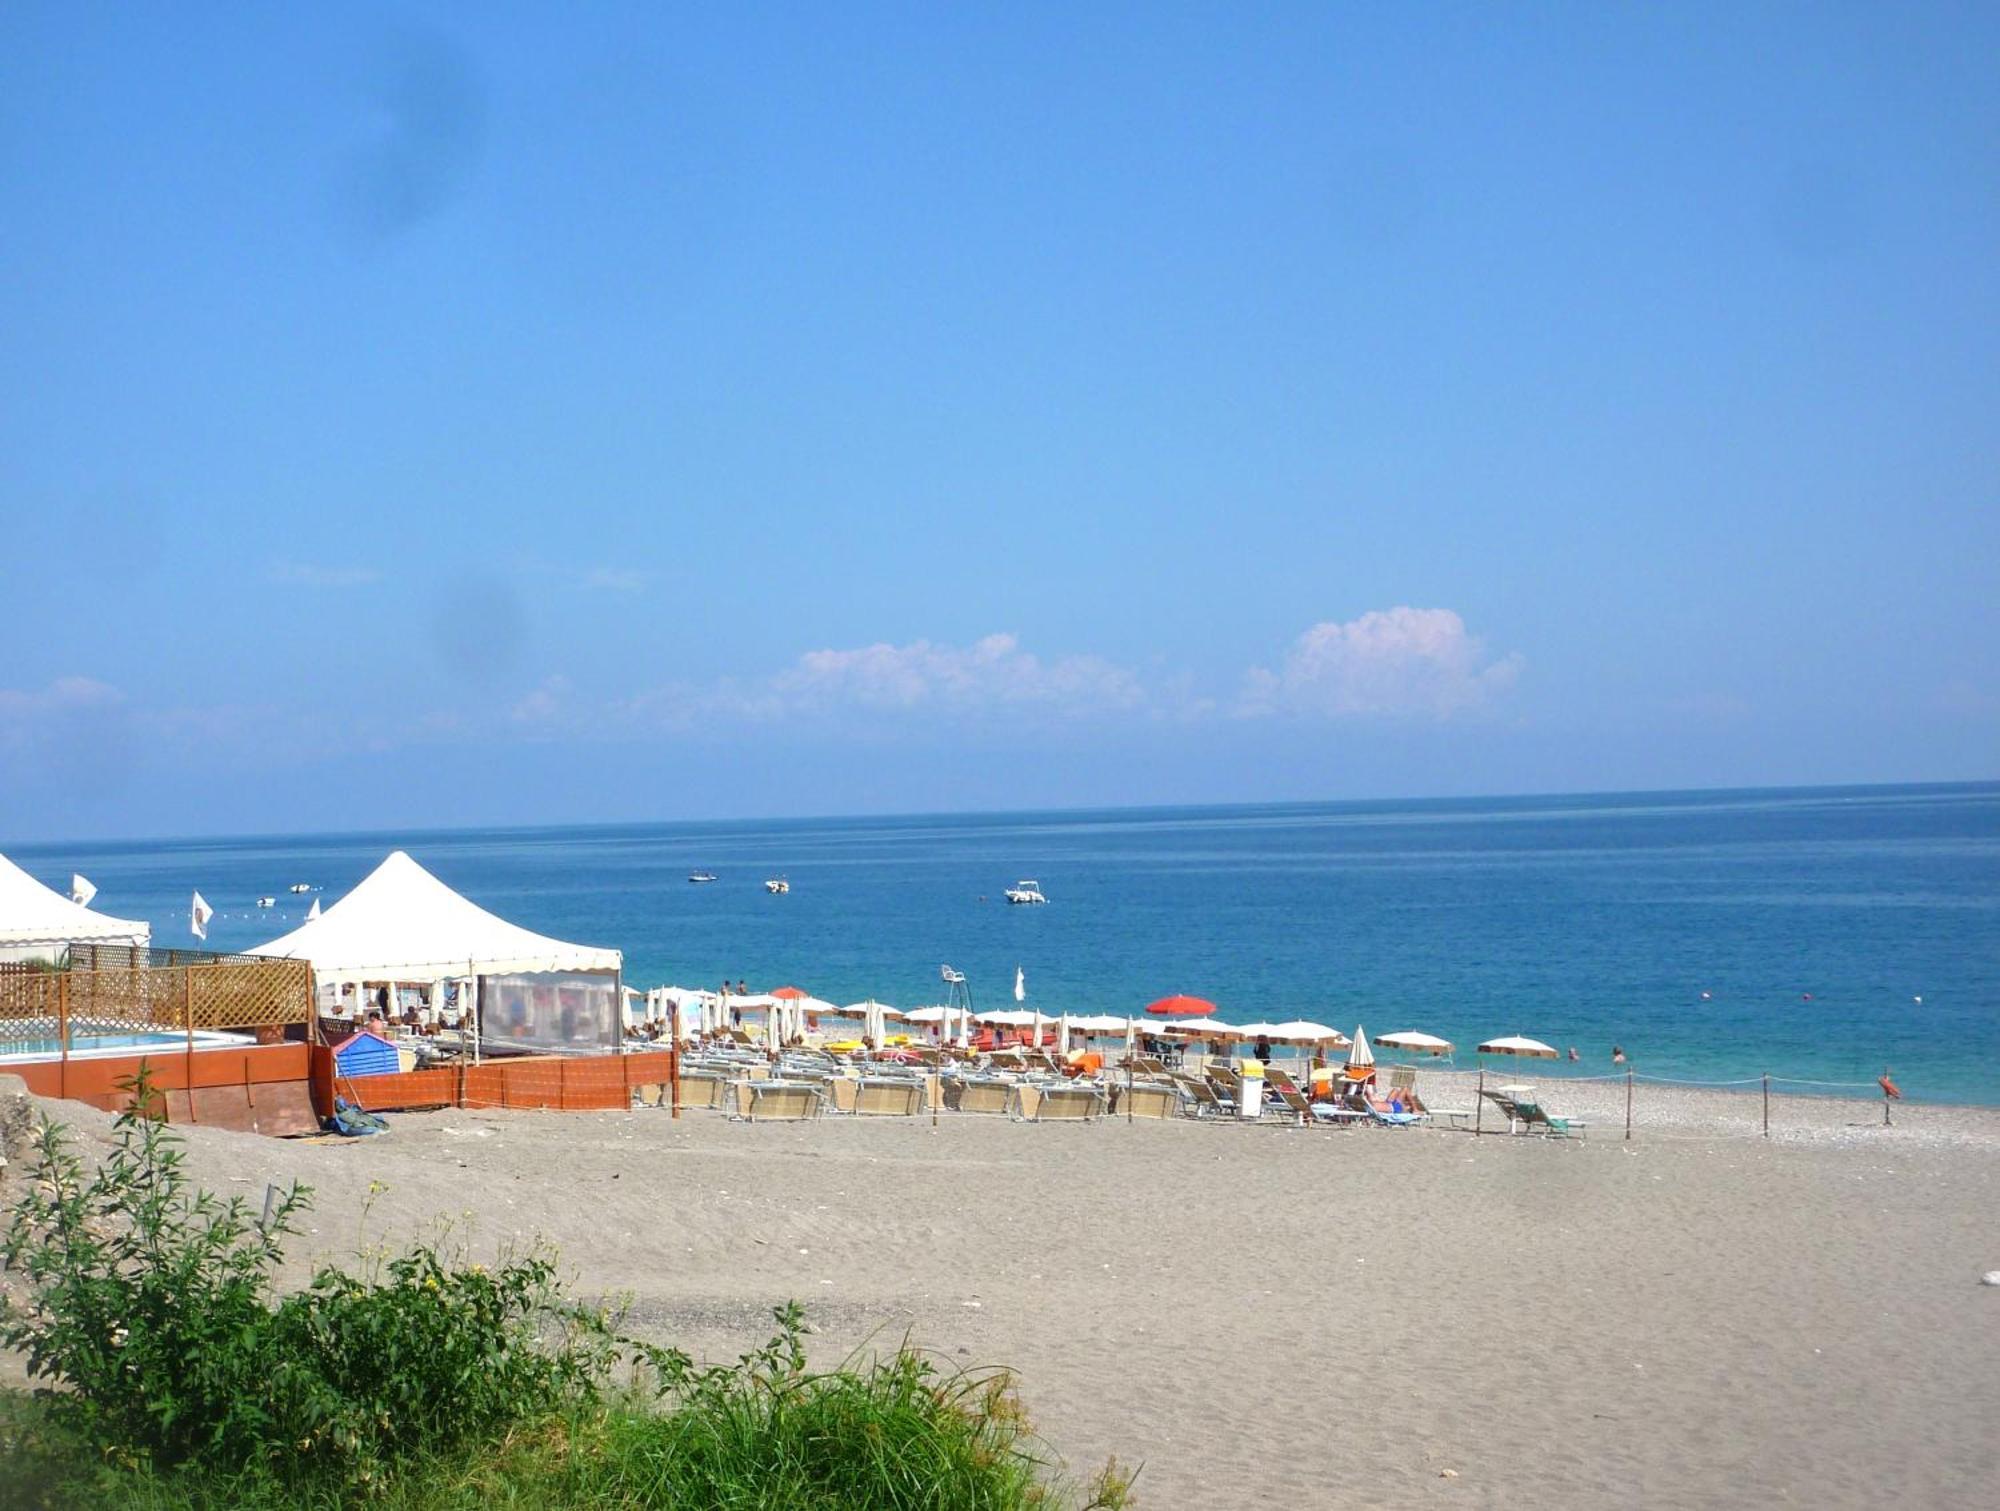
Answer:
(86, 1044)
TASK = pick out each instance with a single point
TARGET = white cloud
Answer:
(994, 671)
(1399, 662)
(543, 704)
(306, 575)
(26, 713)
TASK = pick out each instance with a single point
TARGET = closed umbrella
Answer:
(1360, 1058)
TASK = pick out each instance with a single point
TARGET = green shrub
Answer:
(150, 1303)
(183, 1381)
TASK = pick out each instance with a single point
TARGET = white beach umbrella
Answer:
(1412, 1042)
(1303, 1031)
(1515, 1044)
(1099, 1023)
(928, 1015)
(1011, 1017)
(1201, 1028)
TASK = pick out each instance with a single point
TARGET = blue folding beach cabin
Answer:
(365, 1054)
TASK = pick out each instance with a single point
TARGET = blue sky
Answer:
(524, 414)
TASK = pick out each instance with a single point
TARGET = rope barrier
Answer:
(1687, 1081)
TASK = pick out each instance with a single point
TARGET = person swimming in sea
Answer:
(1617, 1055)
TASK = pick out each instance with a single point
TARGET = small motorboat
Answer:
(777, 886)
(1025, 891)
(267, 902)
(301, 886)
(701, 876)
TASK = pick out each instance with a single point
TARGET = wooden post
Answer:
(1628, 1104)
(1885, 1096)
(1767, 1104)
(1479, 1103)
(187, 1009)
(62, 1035)
(1128, 1086)
(674, 1055)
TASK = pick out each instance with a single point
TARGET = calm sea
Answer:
(1712, 935)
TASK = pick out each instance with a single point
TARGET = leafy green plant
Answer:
(150, 1303)
(176, 1377)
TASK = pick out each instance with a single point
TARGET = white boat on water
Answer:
(1025, 891)
(777, 886)
(699, 876)
(301, 886)
(267, 902)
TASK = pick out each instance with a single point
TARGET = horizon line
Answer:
(965, 813)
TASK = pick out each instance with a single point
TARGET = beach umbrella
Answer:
(1302, 1031)
(1180, 1007)
(1204, 1028)
(1099, 1023)
(1514, 1044)
(1011, 1017)
(1412, 1042)
(1360, 1058)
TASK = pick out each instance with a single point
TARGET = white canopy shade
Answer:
(1099, 1023)
(38, 920)
(1412, 1042)
(1514, 1044)
(1200, 1028)
(1293, 1031)
(403, 924)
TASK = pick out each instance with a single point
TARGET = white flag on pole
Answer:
(80, 889)
(313, 911)
(199, 915)
(1020, 985)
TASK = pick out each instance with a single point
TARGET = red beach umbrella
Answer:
(791, 993)
(1181, 1007)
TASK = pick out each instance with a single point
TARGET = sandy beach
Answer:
(1297, 1317)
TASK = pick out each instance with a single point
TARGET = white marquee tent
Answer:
(38, 922)
(403, 925)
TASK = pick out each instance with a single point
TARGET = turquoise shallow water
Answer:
(1813, 919)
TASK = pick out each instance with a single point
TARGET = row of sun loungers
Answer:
(1027, 1086)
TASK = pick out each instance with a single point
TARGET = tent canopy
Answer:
(36, 918)
(403, 924)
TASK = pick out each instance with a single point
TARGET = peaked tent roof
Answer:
(403, 924)
(33, 914)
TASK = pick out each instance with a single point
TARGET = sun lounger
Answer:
(1146, 1099)
(1526, 1116)
(704, 1088)
(989, 1094)
(889, 1096)
(1200, 1099)
(776, 1101)
(841, 1093)
(1058, 1101)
